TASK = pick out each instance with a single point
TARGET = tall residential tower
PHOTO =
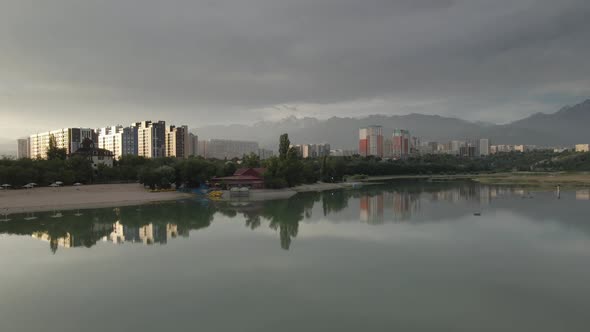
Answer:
(371, 141)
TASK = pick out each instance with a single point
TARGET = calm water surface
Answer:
(403, 257)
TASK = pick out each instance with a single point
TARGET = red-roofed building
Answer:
(243, 177)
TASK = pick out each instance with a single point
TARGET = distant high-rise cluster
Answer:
(373, 143)
(312, 150)
(468, 148)
(147, 139)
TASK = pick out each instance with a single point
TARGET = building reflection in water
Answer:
(157, 224)
(397, 206)
(372, 209)
(147, 234)
(583, 195)
(148, 225)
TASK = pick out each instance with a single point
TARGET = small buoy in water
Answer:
(477, 214)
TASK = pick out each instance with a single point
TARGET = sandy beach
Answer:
(83, 197)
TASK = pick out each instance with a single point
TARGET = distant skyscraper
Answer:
(151, 139)
(23, 148)
(194, 145)
(387, 148)
(371, 141)
(456, 146)
(484, 147)
(401, 143)
(202, 148)
(177, 142)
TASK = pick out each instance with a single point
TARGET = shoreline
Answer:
(83, 197)
(539, 180)
(116, 195)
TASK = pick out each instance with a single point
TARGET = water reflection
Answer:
(373, 205)
(148, 225)
(583, 195)
(379, 205)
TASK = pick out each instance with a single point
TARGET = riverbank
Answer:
(83, 197)
(531, 179)
(537, 180)
(272, 194)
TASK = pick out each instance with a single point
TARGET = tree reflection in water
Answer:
(149, 224)
(400, 202)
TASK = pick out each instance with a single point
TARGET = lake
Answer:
(409, 256)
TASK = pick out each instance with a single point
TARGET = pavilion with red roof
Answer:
(243, 177)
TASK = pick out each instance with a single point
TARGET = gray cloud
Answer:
(234, 60)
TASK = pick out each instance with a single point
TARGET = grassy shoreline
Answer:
(529, 179)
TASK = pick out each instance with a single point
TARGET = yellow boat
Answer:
(215, 194)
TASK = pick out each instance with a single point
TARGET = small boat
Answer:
(477, 214)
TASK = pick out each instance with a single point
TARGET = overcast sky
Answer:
(94, 63)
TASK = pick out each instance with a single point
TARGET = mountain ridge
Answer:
(566, 126)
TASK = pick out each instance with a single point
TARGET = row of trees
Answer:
(285, 170)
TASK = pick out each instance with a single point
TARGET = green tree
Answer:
(252, 160)
(284, 144)
(54, 153)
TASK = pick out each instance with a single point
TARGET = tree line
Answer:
(285, 170)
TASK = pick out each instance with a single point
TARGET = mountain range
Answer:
(566, 127)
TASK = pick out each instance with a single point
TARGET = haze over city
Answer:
(71, 63)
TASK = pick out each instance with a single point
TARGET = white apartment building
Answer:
(484, 147)
(119, 140)
(151, 139)
(66, 138)
(582, 147)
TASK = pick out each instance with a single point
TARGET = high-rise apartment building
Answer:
(484, 147)
(23, 149)
(387, 148)
(456, 147)
(371, 141)
(69, 139)
(151, 139)
(178, 142)
(202, 149)
(401, 143)
(121, 141)
(194, 144)
(312, 150)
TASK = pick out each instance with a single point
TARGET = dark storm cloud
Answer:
(496, 59)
